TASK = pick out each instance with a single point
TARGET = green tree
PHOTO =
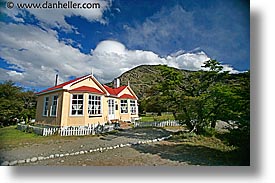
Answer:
(199, 98)
(15, 103)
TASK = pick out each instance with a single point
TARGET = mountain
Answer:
(142, 77)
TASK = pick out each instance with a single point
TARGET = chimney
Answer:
(116, 83)
(56, 78)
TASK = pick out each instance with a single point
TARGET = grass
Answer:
(220, 148)
(210, 142)
(152, 118)
(10, 138)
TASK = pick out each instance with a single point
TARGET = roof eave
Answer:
(50, 91)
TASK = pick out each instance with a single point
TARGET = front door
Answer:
(111, 109)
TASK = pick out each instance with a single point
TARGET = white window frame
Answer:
(95, 100)
(46, 106)
(122, 105)
(133, 107)
(83, 106)
(111, 107)
(52, 106)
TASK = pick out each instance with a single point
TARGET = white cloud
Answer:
(111, 59)
(56, 17)
(36, 55)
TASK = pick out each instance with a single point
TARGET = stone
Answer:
(34, 159)
(71, 154)
(28, 160)
(40, 158)
(76, 153)
(61, 155)
(51, 156)
(81, 152)
(12, 163)
(67, 154)
(56, 155)
(91, 150)
(21, 161)
(62, 161)
(5, 163)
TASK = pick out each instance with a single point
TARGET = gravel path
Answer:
(120, 156)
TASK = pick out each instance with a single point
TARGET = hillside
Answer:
(143, 77)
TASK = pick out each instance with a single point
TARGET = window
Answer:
(94, 105)
(133, 107)
(111, 104)
(54, 105)
(123, 106)
(45, 107)
(77, 104)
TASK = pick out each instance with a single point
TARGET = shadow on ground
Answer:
(191, 155)
(143, 133)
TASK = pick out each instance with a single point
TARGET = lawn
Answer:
(10, 137)
(152, 118)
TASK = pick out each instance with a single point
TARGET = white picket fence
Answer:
(50, 131)
(157, 123)
(78, 130)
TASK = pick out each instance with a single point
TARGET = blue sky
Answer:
(36, 44)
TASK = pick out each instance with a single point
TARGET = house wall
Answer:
(49, 120)
(84, 120)
(64, 117)
(127, 116)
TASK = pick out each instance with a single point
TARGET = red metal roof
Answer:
(87, 89)
(127, 96)
(114, 91)
(111, 91)
(61, 85)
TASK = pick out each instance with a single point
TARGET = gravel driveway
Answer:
(126, 156)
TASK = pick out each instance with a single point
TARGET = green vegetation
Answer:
(217, 147)
(154, 117)
(11, 137)
(197, 99)
(15, 104)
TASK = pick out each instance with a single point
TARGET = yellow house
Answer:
(84, 101)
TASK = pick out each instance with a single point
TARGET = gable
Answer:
(128, 93)
(87, 84)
